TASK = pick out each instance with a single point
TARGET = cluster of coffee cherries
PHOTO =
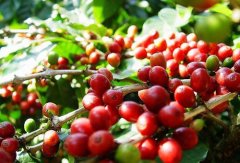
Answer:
(9, 144)
(28, 102)
(210, 69)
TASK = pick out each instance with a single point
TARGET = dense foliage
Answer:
(119, 81)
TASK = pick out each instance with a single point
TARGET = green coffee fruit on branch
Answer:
(228, 62)
(127, 153)
(212, 63)
(214, 27)
(30, 125)
(197, 124)
(53, 58)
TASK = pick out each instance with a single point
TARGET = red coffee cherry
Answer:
(120, 40)
(221, 75)
(113, 97)
(193, 66)
(16, 97)
(5, 156)
(91, 100)
(114, 59)
(236, 55)
(148, 149)
(232, 82)
(169, 151)
(62, 63)
(140, 53)
(77, 145)
(147, 123)
(219, 108)
(113, 112)
(51, 138)
(114, 47)
(158, 76)
(171, 116)
(10, 145)
(130, 111)
(6, 130)
(200, 80)
(202, 46)
(158, 59)
(161, 44)
(49, 151)
(173, 67)
(31, 98)
(99, 118)
(50, 109)
(5, 92)
(177, 105)
(224, 52)
(81, 125)
(178, 54)
(143, 73)
(173, 84)
(185, 96)
(99, 83)
(106, 73)
(100, 142)
(236, 66)
(186, 137)
(94, 57)
(154, 98)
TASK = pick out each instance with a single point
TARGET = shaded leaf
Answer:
(103, 9)
(129, 67)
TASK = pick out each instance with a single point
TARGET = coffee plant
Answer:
(120, 81)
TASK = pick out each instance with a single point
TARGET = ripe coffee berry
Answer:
(31, 98)
(237, 66)
(10, 145)
(50, 109)
(143, 73)
(221, 75)
(113, 112)
(154, 98)
(232, 82)
(173, 84)
(106, 73)
(100, 142)
(16, 97)
(169, 151)
(51, 138)
(140, 53)
(178, 54)
(171, 116)
(49, 151)
(5, 156)
(99, 118)
(130, 111)
(81, 125)
(148, 149)
(158, 76)
(187, 137)
(185, 96)
(224, 52)
(193, 66)
(147, 123)
(91, 100)
(99, 83)
(158, 59)
(76, 145)
(113, 97)
(114, 47)
(6, 130)
(200, 80)
(114, 59)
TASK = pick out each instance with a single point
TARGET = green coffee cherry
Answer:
(53, 58)
(127, 153)
(29, 125)
(212, 63)
(228, 62)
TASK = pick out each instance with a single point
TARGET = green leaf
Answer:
(169, 20)
(16, 114)
(222, 8)
(25, 157)
(95, 28)
(129, 67)
(195, 155)
(25, 63)
(62, 93)
(67, 49)
(103, 9)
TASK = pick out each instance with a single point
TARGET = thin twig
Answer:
(48, 72)
(210, 105)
